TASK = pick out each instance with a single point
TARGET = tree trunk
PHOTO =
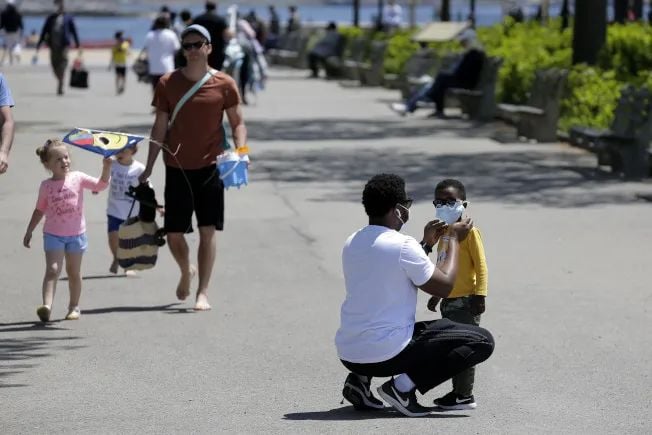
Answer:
(565, 15)
(637, 9)
(590, 30)
(356, 13)
(445, 10)
(412, 13)
(472, 12)
(545, 10)
(620, 11)
(381, 5)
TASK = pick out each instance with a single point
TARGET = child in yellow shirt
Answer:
(119, 55)
(466, 301)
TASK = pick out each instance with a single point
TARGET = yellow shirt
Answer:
(119, 53)
(472, 271)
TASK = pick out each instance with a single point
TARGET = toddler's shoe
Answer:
(43, 313)
(73, 314)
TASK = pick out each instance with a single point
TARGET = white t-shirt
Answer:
(161, 45)
(122, 177)
(382, 269)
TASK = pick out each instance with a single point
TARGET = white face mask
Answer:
(398, 214)
(450, 213)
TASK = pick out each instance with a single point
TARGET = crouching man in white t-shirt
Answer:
(378, 335)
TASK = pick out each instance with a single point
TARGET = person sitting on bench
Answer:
(326, 47)
(464, 74)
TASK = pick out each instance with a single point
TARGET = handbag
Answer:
(78, 75)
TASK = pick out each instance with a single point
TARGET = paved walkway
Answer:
(568, 250)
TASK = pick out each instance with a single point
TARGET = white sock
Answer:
(403, 383)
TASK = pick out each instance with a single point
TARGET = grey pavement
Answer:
(568, 250)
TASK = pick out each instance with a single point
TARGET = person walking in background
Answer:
(192, 184)
(11, 21)
(161, 44)
(119, 55)
(273, 29)
(7, 124)
(58, 33)
(294, 21)
(219, 31)
(61, 202)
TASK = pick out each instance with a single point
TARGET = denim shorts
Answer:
(73, 244)
(113, 223)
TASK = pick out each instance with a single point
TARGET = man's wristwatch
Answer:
(427, 249)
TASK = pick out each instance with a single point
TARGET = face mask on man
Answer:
(450, 213)
(398, 214)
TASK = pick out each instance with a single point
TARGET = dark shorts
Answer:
(121, 71)
(113, 223)
(154, 79)
(200, 191)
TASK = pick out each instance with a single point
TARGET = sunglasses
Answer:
(443, 202)
(407, 203)
(190, 45)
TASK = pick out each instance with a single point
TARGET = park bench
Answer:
(346, 66)
(538, 118)
(292, 51)
(371, 71)
(479, 103)
(625, 146)
(420, 64)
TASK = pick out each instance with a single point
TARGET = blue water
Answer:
(103, 28)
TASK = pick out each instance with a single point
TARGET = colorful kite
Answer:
(106, 143)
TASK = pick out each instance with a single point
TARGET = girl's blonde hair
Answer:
(43, 152)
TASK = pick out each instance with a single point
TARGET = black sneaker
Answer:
(405, 403)
(358, 393)
(454, 402)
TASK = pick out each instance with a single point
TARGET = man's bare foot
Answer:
(183, 289)
(114, 267)
(202, 303)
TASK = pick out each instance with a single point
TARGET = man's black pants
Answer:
(439, 350)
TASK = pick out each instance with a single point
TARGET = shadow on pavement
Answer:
(360, 129)
(16, 352)
(107, 276)
(515, 177)
(165, 308)
(347, 413)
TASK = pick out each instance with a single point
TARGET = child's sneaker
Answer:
(73, 314)
(43, 313)
(454, 402)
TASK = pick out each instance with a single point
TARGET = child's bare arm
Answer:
(37, 215)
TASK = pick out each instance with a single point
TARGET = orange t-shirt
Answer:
(197, 130)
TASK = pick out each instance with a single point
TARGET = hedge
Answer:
(592, 92)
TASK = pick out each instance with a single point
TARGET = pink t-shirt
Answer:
(62, 203)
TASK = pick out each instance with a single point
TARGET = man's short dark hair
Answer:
(381, 193)
(185, 15)
(455, 184)
(211, 6)
(332, 26)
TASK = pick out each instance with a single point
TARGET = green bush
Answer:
(591, 98)
(592, 93)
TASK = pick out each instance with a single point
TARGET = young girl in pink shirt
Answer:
(61, 201)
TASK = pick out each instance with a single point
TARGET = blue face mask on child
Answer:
(450, 213)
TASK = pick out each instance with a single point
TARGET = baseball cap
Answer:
(196, 28)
